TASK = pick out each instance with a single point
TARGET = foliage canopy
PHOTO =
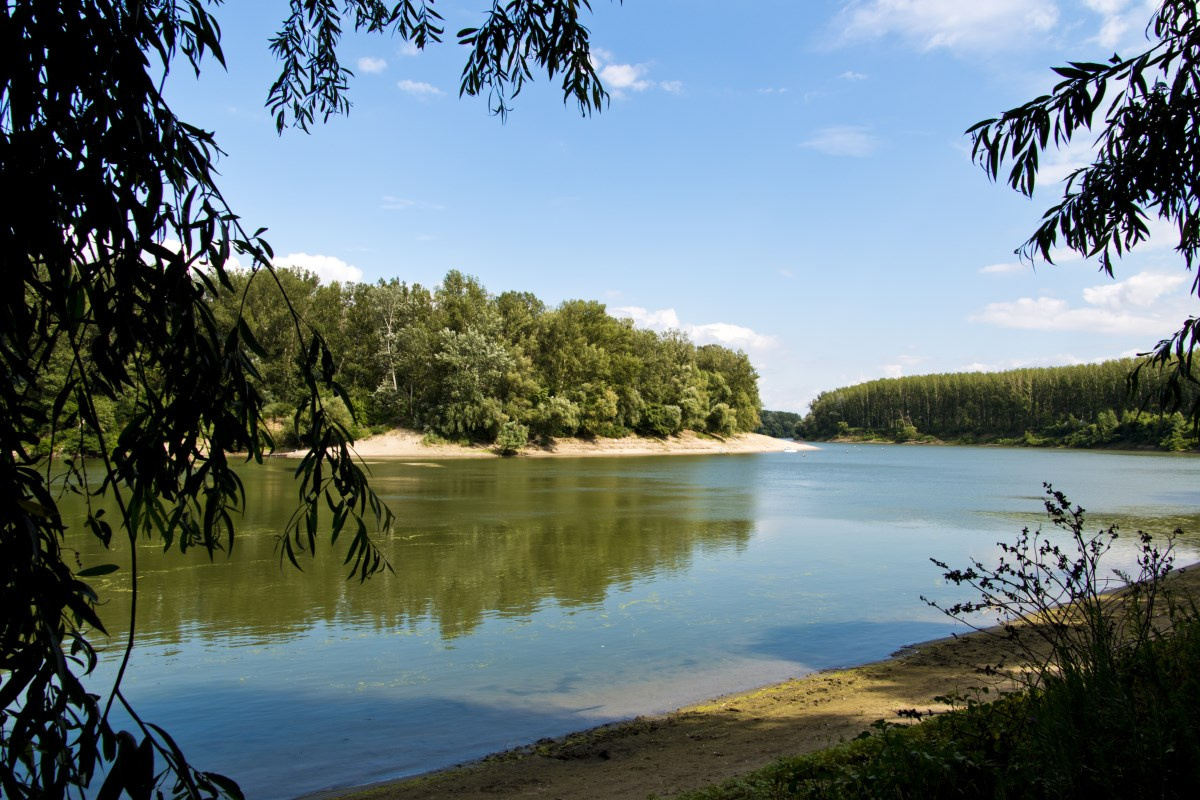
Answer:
(117, 236)
(1146, 162)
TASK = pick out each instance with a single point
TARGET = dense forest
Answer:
(462, 364)
(780, 424)
(1088, 405)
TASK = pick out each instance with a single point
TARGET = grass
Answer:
(1110, 707)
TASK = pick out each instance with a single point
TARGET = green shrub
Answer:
(512, 438)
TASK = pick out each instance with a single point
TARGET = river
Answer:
(533, 597)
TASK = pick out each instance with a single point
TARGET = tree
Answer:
(1147, 161)
(119, 236)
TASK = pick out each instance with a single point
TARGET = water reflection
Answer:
(475, 540)
(533, 597)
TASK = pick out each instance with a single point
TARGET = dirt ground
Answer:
(729, 736)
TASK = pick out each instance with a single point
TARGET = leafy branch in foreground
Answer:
(1146, 162)
(116, 241)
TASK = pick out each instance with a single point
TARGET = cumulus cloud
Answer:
(735, 337)
(851, 75)
(949, 24)
(1140, 305)
(372, 66)
(1141, 291)
(618, 78)
(327, 268)
(418, 88)
(843, 140)
(621, 78)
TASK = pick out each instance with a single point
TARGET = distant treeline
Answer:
(461, 363)
(1088, 405)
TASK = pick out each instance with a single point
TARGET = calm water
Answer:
(532, 597)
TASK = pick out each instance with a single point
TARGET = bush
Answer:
(661, 421)
(512, 438)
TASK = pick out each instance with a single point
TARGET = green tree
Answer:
(1147, 162)
(120, 239)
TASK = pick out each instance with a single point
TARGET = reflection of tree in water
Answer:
(473, 541)
(509, 571)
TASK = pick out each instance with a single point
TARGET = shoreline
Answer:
(725, 737)
(404, 443)
(710, 741)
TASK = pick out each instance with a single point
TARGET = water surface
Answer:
(532, 597)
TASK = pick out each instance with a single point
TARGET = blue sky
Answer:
(788, 178)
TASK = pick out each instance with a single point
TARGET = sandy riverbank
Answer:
(409, 444)
(732, 735)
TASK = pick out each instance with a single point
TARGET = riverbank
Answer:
(401, 443)
(723, 738)
(712, 741)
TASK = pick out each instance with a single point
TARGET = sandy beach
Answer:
(402, 443)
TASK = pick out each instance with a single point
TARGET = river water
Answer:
(533, 597)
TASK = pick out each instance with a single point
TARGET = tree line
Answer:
(461, 363)
(1087, 405)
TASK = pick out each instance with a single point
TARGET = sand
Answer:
(409, 444)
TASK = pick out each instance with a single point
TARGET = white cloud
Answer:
(1122, 22)
(327, 268)
(851, 75)
(418, 88)
(903, 362)
(619, 77)
(372, 66)
(772, 90)
(1140, 305)
(735, 337)
(843, 140)
(1140, 291)
(408, 49)
(961, 25)
(1005, 268)
(1057, 163)
(661, 320)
